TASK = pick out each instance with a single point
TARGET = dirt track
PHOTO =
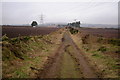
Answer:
(67, 62)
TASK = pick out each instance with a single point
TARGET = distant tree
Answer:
(77, 24)
(34, 23)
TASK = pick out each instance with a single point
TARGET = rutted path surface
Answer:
(69, 68)
(67, 62)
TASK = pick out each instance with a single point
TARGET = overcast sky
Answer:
(60, 12)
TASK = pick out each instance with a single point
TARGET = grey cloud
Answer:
(87, 12)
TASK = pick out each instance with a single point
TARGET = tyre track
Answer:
(52, 68)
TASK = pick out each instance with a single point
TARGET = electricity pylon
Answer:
(41, 19)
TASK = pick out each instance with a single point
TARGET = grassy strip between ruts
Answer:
(70, 68)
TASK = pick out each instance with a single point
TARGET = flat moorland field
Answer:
(108, 33)
(16, 31)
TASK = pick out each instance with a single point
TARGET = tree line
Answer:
(74, 24)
